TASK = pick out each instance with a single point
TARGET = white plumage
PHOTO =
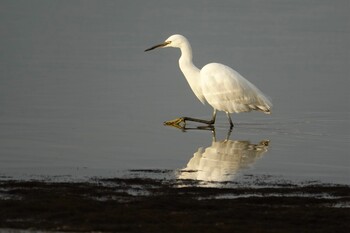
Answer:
(226, 90)
(218, 85)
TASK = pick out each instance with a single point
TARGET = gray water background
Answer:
(80, 97)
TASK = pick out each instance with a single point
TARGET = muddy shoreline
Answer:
(139, 204)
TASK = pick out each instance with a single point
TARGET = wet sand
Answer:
(141, 204)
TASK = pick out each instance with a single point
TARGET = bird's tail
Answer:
(267, 111)
(262, 108)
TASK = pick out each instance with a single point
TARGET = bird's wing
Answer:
(226, 90)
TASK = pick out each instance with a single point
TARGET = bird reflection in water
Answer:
(221, 161)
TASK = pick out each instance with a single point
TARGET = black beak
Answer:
(158, 46)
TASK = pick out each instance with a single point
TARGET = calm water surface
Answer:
(79, 97)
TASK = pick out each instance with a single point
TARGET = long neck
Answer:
(190, 71)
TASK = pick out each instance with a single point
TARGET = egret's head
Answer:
(173, 41)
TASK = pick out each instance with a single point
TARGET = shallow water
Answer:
(80, 98)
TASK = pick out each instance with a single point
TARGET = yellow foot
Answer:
(176, 122)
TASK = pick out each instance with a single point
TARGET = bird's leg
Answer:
(228, 134)
(214, 117)
(210, 122)
(229, 119)
(178, 121)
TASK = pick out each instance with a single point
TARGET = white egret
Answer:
(219, 85)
